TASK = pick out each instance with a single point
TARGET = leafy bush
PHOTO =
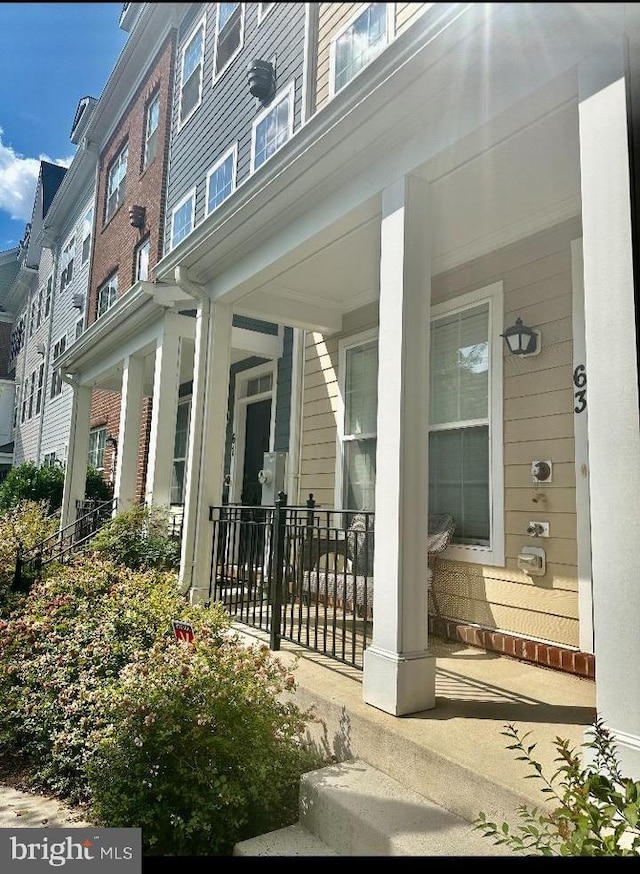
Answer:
(597, 809)
(139, 538)
(22, 526)
(28, 482)
(200, 752)
(66, 646)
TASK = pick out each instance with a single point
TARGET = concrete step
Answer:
(352, 809)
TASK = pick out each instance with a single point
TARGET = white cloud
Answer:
(18, 178)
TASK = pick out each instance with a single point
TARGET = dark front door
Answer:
(256, 443)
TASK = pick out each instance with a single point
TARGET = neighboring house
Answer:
(453, 169)
(30, 299)
(9, 267)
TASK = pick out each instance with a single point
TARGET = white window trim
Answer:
(289, 92)
(391, 19)
(241, 402)
(116, 162)
(145, 244)
(88, 236)
(147, 135)
(106, 284)
(262, 15)
(182, 401)
(201, 23)
(494, 296)
(93, 431)
(343, 346)
(232, 151)
(190, 196)
(220, 74)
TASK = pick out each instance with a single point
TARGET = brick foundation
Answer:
(545, 655)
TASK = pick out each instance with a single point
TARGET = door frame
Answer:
(240, 404)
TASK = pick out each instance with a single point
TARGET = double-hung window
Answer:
(40, 387)
(191, 72)
(25, 400)
(465, 430)
(142, 260)
(151, 131)
(47, 299)
(66, 263)
(180, 452)
(359, 43)
(229, 34)
(56, 378)
(107, 295)
(359, 391)
(272, 128)
(87, 227)
(97, 444)
(40, 304)
(182, 218)
(221, 179)
(116, 182)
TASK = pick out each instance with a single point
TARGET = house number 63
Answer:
(580, 382)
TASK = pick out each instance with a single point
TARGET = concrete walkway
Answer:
(29, 810)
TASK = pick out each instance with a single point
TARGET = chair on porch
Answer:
(343, 572)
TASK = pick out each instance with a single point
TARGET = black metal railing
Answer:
(304, 574)
(91, 515)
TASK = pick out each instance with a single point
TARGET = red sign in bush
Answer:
(182, 630)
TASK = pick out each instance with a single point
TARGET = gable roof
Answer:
(49, 179)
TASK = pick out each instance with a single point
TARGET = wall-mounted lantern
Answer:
(522, 340)
(137, 216)
(262, 80)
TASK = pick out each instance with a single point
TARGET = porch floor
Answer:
(454, 754)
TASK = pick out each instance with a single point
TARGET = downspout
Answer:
(194, 486)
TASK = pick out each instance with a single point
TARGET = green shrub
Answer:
(139, 538)
(96, 488)
(73, 634)
(597, 810)
(200, 752)
(28, 482)
(24, 525)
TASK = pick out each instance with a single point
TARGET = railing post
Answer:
(279, 521)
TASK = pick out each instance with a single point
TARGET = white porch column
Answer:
(399, 672)
(75, 480)
(205, 465)
(166, 384)
(612, 398)
(129, 432)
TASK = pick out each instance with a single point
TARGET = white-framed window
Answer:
(152, 119)
(182, 218)
(229, 35)
(79, 327)
(97, 445)
(25, 400)
(87, 229)
(32, 393)
(66, 263)
(40, 388)
(56, 377)
(357, 44)
(191, 72)
(357, 427)
(272, 127)
(50, 459)
(180, 447)
(116, 182)
(107, 295)
(221, 179)
(40, 307)
(32, 317)
(263, 9)
(142, 260)
(465, 422)
(47, 299)
(16, 406)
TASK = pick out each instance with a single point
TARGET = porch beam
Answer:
(399, 671)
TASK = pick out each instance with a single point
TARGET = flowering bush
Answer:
(24, 525)
(139, 538)
(200, 751)
(69, 640)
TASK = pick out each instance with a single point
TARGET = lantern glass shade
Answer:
(520, 339)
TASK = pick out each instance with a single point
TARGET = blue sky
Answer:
(51, 55)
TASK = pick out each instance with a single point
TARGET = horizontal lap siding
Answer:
(227, 109)
(538, 424)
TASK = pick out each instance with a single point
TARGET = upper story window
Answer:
(66, 263)
(151, 131)
(263, 8)
(142, 260)
(17, 338)
(107, 295)
(359, 43)
(39, 315)
(272, 128)
(47, 297)
(191, 75)
(182, 218)
(40, 388)
(221, 179)
(56, 376)
(32, 317)
(229, 35)
(87, 228)
(116, 183)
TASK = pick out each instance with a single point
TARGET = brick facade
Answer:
(116, 241)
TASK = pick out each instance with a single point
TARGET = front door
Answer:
(256, 443)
